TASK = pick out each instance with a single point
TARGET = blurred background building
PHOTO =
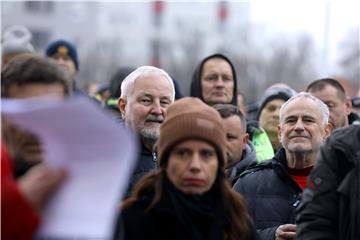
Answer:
(175, 35)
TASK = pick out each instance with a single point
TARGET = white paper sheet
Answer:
(98, 152)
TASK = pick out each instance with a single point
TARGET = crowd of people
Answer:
(206, 167)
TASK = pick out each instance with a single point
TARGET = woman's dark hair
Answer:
(233, 203)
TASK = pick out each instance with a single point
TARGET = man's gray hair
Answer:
(322, 106)
(127, 85)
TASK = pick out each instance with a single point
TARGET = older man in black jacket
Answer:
(145, 95)
(273, 188)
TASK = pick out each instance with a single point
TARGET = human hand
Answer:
(286, 232)
(39, 183)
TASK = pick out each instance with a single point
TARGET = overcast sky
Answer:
(293, 16)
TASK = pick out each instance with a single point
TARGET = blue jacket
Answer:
(271, 194)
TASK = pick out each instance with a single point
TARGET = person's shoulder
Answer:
(348, 137)
(259, 167)
(255, 176)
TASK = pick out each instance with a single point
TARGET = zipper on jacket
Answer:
(155, 160)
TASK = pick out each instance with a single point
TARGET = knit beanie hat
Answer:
(189, 119)
(16, 39)
(64, 48)
(275, 93)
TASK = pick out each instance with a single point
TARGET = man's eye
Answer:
(211, 77)
(309, 120)
(231, 137)
(330, 106)
(165, 102)
(227, 78)
(145, 100)
(290, 120)
(271, 108)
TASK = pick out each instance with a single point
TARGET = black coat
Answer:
(271, 194)
(330, 207)
(147, 161)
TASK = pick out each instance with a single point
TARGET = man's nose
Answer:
(156, 108)
(299, 125)
(219, 82)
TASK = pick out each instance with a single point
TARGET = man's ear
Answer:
(348, 106)
(328, 129)
(246, 138)
(121, 106)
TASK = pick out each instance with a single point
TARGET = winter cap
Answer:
(187, 119)
(16, 39)
(63, 48)
(283, 93)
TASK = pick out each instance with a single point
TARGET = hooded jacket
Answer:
(196, 90)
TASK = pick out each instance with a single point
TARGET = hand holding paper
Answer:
(98, 153)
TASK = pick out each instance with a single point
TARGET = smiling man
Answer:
(273, 188)
(145, 95)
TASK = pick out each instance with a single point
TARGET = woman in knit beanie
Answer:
(188, 197)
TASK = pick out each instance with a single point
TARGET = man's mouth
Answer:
(154, 121)
(219, 94)
(298, 136)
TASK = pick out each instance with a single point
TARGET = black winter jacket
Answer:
(146, 162)
(271, 194)
(330, 207)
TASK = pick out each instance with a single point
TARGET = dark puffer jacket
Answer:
(196, 90)
(330, 207)
(271, 194)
